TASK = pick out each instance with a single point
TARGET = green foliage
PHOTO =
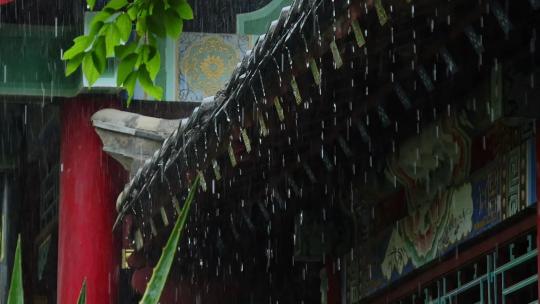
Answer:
(159, 275)
(109, 37)
(16, 292)
(161, 271)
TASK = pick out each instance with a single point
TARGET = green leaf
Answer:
(123, 23)
(129, 85)
(102, 16)
(79, 46)
(156, 26)
(146, 53)
(103, 30)
(141, 26)
(142, 55)
(153, 65)
(148, 85)
(82, 294)
(100, 54)
(132, 12)
(173, 23)
(122, 51)
(152, 41)
(112, 39)
(91, 4)
(95, 28)
(184, 10)
(89, 69)
(16, 293)
(116, 4)
(155, 19)
(163, 267)
(73, 64)
(82, 39)
(125, 68)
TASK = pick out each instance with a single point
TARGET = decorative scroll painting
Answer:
(505, 186)
(206, 62)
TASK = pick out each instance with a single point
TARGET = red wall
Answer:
(89, 184)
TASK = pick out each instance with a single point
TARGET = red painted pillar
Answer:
(334, 290)
(89, 184)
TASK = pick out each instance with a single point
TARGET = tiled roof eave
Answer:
(216, 123)
(140, 180)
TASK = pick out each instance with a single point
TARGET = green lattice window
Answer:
(507, 275)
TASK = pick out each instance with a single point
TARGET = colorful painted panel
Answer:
(206, 62)
(497, 192)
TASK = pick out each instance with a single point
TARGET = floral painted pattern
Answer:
(446, 205)
(206, 62)
(426, 233)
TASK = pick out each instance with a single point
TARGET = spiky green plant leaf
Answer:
(163, 267)
(16, 293)
(82, 294)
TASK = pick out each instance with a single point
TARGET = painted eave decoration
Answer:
(321, 107)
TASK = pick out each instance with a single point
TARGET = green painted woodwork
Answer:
(30, 61)
(497, 284)
(257, 22)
